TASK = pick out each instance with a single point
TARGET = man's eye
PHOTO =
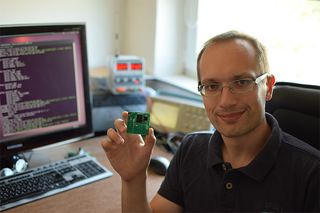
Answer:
(212, 87)
(242, 82)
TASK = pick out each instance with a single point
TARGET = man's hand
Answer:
(129, 154)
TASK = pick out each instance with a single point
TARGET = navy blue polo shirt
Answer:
(283, 177)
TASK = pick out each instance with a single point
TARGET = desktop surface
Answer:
(100, 196)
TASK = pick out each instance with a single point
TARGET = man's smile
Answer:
(230, 117)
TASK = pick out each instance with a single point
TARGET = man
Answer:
(248, 164)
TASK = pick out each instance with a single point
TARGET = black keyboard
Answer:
(50, 179)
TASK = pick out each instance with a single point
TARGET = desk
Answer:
(101, 196)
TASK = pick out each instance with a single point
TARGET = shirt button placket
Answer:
(228, 193)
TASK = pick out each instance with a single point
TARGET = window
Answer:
(290, 29)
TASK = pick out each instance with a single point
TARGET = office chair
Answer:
(297, 109)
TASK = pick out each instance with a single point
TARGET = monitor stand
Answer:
(38, 159)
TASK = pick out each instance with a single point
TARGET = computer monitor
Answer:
(44, 87)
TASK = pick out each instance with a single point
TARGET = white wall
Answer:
(98, 15)
(152, 29)
(169, 38)
(139, 30)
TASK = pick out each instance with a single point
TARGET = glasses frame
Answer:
(256, 81)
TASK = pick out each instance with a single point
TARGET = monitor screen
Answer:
(44, 88)
(164, 115)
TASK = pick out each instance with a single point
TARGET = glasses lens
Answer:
(211, 89)
(200, 89)
(242, 85)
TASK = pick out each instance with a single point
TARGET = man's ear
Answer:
(270, 84)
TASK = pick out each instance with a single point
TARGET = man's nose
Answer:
(227, 98)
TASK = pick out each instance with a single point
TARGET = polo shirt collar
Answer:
(215, 150)
(262, 163)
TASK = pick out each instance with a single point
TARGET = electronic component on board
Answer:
(138, 123)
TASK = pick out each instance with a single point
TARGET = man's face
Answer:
(231, 114)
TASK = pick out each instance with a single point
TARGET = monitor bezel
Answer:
(15, 147)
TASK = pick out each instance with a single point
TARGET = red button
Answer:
(121, 89)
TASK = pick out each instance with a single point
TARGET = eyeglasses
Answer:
(239, 86)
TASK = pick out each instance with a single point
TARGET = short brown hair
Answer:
(261, 52)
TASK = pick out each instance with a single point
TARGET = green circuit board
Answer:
(138, 123)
